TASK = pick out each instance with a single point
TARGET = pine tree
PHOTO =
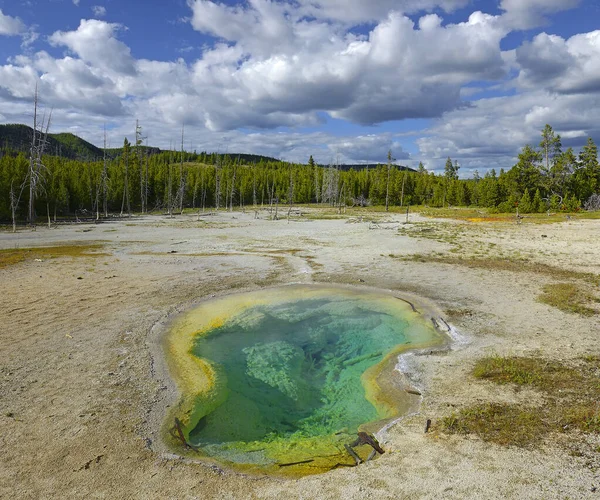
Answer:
(525, 205)
(587, 176)
(537, 205)
(550, 145)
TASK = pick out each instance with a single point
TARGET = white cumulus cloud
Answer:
(277, 64)
(559, 65)
(526, 14)
(10, 26)
(96, 43)
(99, 10)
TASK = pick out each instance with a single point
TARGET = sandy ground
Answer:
(83, 389)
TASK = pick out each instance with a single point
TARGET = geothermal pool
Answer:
(279, 380)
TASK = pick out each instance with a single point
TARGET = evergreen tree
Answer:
(526, 173)
(525, 205)
(550, 146)
(587, 175)
(537, 205)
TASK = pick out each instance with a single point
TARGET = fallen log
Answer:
(297, 463)
(409, 303)
(371, 441)
(181, 436)
(353, 454)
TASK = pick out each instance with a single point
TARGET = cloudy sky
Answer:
(350, 79)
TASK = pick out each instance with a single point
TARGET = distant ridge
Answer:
(363, 166)
(17, 138)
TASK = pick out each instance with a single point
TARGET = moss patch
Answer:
(567, 297)
(11, 257)
(571, 396)
(499, 423)
(497, 264)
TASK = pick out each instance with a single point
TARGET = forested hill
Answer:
(362, 166)
(17, 138)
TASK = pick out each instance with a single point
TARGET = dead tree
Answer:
(254, 185)
(104, 180)
(387, 184)
(138, 152)
(291, 192)
(330, 185)
(170, 183)
(592, 203)
(218, 182)
(14, 202)
(361, 201)
(181, 192)
(317, 186)
(402, 193)
(364, 438)
(125, 202)
(36, 167)
(232, 192)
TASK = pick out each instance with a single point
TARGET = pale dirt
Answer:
(83, 389)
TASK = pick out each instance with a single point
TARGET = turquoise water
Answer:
(293, 370)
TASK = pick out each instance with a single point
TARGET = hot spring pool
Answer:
(289, 375)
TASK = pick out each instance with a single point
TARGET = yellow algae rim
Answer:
(197, 380)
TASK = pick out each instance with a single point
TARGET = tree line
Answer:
(545, 177)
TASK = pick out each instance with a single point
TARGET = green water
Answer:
(292, 371)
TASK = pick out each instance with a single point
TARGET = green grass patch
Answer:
(498, 423)
(567, 297)
(500, 264)
(571, 400)
(484, 215)
(10, 257)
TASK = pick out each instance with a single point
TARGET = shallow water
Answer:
(297, 372)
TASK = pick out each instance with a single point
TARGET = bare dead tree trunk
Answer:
(254, 186)
(146, 190)
(402, 194)
(272, 197)
(38, 145)
(203, 187)
(218, 183)
(170, 183)
(387, 188)
(138, 142)
(105, 180)
(181, 176)
(14, 203)
(32, 156)
(291, 192)
(232, 189)
(341, 198)
(317, 187)
(125, 201)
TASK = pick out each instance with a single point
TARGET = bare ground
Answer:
(82, 387)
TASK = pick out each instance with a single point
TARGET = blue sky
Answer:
(348, 79)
